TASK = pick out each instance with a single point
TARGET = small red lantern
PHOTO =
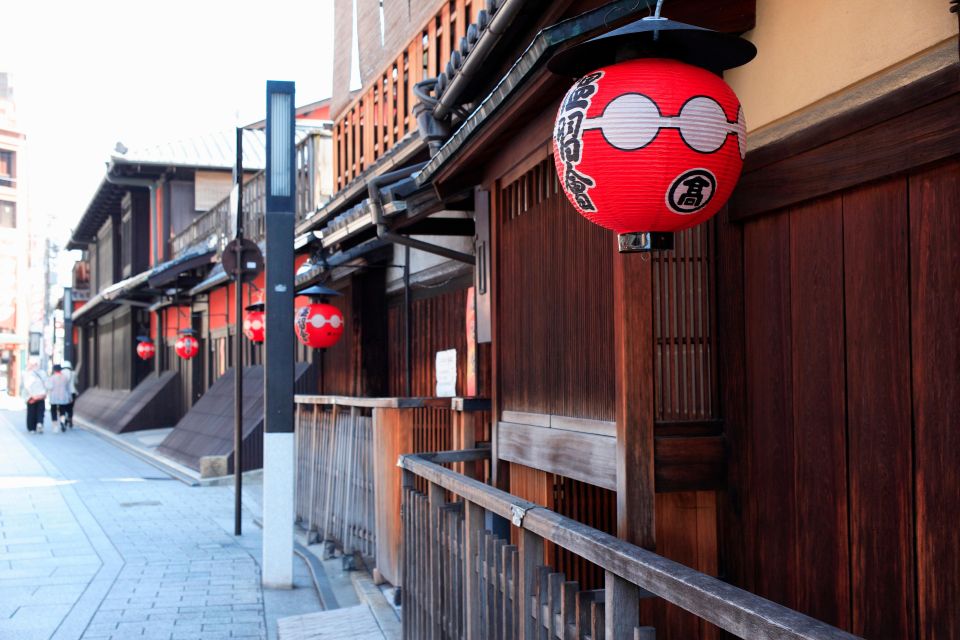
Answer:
(651, 145)
(145, 348)
(254, 323)
(187, 346)
(318, 325)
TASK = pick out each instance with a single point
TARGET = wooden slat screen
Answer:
(684, 320)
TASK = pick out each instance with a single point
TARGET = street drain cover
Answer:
(145, 503)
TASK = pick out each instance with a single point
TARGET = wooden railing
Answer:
(348, 489)
(383, 113)
(218, 222)
(463, 580)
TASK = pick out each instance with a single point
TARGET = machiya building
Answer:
(15, 238)
(753, 430)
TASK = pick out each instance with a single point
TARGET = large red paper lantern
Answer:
(254, 323)
(319, 325)
(145, 348)
(649, 145)
(187, 346)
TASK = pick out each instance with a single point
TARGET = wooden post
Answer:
(621, 608)
(633, 336)
(531, 557)
(437, 498)
(472, 525)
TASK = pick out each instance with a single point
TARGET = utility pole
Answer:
(278, 437)
(238, 347)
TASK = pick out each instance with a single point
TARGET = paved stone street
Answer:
(95, 543)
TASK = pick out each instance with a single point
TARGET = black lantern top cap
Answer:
(143, 338)
(318, 291)
(186, 332)
(655, 37)
(256, 306)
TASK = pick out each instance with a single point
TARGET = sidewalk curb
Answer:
(174, 469)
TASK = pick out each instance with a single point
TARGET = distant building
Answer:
(14, 245)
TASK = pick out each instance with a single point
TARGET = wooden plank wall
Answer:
(847, 463)
(555, 278)
(554, 281)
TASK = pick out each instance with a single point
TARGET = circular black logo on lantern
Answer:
(691, 191)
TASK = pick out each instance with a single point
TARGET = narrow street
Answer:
(96, 544)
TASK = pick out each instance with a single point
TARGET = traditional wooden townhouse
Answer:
(751, 432)
(152, 239)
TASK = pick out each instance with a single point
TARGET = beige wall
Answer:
(812, 49)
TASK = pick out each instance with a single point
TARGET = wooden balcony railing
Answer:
(461, 580)
(218, 222)
(383, 112)
(348, 489)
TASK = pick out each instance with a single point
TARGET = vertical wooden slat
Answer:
(507, 576)
(819, 410)
(531, 557)
(875, 230)
(472, 526)
(620, 607)
(770, 414)
(935, 281)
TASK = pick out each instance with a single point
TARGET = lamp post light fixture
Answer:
(650, 140)
(278, 440)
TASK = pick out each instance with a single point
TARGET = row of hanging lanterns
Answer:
(318, 325)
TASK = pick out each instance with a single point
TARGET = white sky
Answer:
(89, 74)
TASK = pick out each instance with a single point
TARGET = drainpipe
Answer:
(474, 63)
(384, 233)
(407, 328)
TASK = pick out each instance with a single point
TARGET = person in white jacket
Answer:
(60, 388)
(33, 390)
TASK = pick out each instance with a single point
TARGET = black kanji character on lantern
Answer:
(691, 191)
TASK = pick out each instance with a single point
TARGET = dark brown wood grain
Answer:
(734, 558)
(924, 135)
(935, 303)
(633, 344)
(876, 281)
(770, 501)
(819, 411)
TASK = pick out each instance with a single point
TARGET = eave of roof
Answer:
(399, 155)
(531, 65)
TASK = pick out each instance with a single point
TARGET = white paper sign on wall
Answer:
(447, 373)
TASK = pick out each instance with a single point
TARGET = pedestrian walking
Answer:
(59, 387)
(68, 370)
(33, 390)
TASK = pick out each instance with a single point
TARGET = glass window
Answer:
(7, 168)
(8, 214)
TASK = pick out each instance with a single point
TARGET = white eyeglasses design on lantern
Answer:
(632, 121)
(318, 321)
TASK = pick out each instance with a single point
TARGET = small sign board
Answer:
(246, 263)
(447, 373)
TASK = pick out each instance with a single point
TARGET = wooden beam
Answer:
(681, 463)
(633, 342)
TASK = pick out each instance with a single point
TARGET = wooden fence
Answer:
(334, 497)
(464, 581)
(348, 488)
